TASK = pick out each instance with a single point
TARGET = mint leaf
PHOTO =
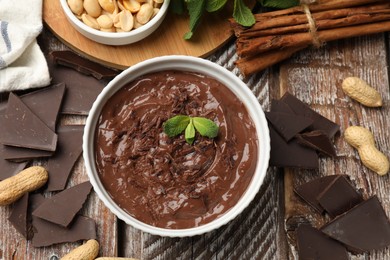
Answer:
(280, 4)
(176, 125)
(242, 14)
(215, 5)
(190, 132)
(195, 9)
(205, 127)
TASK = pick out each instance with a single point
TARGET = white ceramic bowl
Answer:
(116, 38)
(183, 63)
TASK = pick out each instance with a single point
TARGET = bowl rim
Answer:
(184, 63)
(116, 35)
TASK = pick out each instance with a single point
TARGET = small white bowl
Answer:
(182, 63)
(116, 38)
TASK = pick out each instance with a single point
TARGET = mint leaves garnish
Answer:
(177, 124)
(241, 12)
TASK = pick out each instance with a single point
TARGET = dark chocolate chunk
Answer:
(339, 196)
(363, 228)
(80, 64)
(281, 107)
(8, 169)
(81, 90)
(19, 154)
(22, 128)
(18, 217)
(313, 244)
(63, 207)
(319, 141)
(290, 154)
(320, 122)
(48, 233)
(61, 163)
(309, 191)
(288, 125)
(46, 103)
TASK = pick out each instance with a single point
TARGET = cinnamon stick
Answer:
(263, 44)
(301, 19)
(259, 62)
(277, 35)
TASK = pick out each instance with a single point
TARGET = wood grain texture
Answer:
(166, 40)
(315, 77)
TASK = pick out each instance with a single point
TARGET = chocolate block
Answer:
(339, 196)
(288, 125)
(47, 233)
(61, 163)
(18, 217)
(290, 154)
(320, 122)
(319, 141)
(281, 107)
(22, 128)
(81, 90)
(363, 228)
(313, 244)
(309, 191)
(82, 65)
(20, 154)
(9, 169)
(46, 103)
(63, 207)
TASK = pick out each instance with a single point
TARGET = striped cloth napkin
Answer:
(22, 63)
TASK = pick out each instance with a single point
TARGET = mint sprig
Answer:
(241, 12)
(177, 124)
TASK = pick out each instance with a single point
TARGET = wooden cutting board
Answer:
(166, 40)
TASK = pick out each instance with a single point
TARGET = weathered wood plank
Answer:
(315, 77)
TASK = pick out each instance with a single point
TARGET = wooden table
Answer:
(265, 230)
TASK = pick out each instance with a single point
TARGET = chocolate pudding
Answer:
(166, 182)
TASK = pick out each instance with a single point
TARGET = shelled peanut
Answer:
(115, 15)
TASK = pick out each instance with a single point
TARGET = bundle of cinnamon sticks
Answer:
(277, 35)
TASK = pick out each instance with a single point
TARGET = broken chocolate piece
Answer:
(339, 196)
(309, 191)
(363, 228)
(313, 244)
(9, 169)
(320, 122)
(59, 166)
(19, 154)
(22, 128)
(281, 107)
(81, 90)
(46, 103)
(290, 154)
(80, 64)
(63, 207)
(288, 125)
(47, 233)
(18, 217)
(319, 141)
